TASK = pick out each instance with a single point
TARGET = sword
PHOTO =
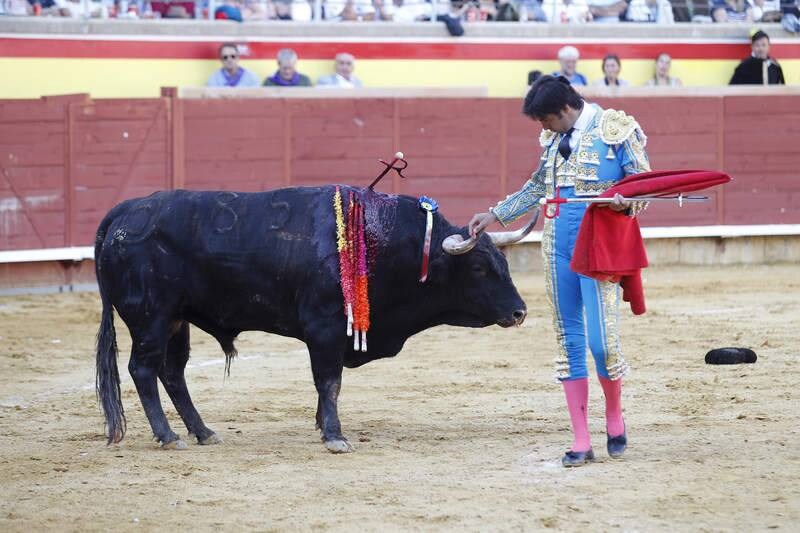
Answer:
(558, 200)
(679, 198)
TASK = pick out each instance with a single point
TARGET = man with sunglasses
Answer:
(231, 74)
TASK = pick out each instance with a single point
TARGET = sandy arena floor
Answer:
(463, 430)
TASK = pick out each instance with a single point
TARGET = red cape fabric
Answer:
(609, 246)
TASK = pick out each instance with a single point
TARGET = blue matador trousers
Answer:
(583, 308)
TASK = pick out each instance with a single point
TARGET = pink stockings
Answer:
(577, 393)
(612, 390)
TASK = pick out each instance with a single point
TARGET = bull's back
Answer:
(239, 254)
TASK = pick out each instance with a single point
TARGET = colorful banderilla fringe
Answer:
(351, 245)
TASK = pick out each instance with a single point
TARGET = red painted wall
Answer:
(65, 161)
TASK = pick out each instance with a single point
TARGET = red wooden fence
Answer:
(65, 161)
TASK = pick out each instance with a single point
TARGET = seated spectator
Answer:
(344, 64)
(607, 11)
(658, 11)
(759, 68)
(791, 15)
(568, 58)
(403, 10)
(231, 74)
(566, 11)
(348, 10)
(531, 10)
(174, 9)
(731, 11)
(766, 10)
(15, 7)
(300, 10)
(228, 11)
(533, 75)
(662, 77)
(287, 75)
(611, 67)
(52, 8)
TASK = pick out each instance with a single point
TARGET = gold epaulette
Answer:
(546, 137)
(616, 127)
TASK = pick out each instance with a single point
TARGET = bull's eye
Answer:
(478, 270)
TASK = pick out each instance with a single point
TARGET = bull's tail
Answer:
(107, 377)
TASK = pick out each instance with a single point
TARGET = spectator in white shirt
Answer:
(662, 77)
(566, 11)
(607, 11)
(344, 64)
(348, 10)
(403, 10)
(658, 11)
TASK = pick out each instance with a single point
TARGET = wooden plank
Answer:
(231, 109)
(252, 149)
(234, 174)
(342, 147)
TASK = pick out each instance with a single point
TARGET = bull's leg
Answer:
(326, 365)
(147, 358)
(172, 377)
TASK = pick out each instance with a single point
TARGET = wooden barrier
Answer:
(65, 161)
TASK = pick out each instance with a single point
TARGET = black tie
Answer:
(563, 145)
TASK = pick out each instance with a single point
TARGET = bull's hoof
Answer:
(211, 439)
(339, 446)
(175, 445)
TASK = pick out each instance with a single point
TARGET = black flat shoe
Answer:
(577, 458)
(616, 445)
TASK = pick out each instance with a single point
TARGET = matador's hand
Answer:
(619, 203)
(480, 222)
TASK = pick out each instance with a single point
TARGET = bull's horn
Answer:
(502, 238)
(456, 245)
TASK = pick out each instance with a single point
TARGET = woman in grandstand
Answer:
(611, 68)
(662, 77)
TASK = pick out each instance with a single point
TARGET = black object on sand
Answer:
(730, 356)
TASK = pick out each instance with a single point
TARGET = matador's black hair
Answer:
(548, 95)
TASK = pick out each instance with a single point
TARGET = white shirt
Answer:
(585, 120)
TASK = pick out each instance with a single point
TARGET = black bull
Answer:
(232, 262)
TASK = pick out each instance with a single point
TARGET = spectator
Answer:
(348, 10)
(228, 11)
(344, 64)
(662, 77)
(53, 8)
(731, 11)
(791, 15)
(174, 9)
(766, 10)
(231, 74)
(759, 68)
(531, 10)
(566, 11)
(611, 68)
(607, 11)
(568, 58)
(15, 7)
(287, 75)
(403, 10)
(658, 11)
(533, 75)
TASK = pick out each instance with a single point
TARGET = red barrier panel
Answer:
(65, 161)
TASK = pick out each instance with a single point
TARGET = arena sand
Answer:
(463, 430)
